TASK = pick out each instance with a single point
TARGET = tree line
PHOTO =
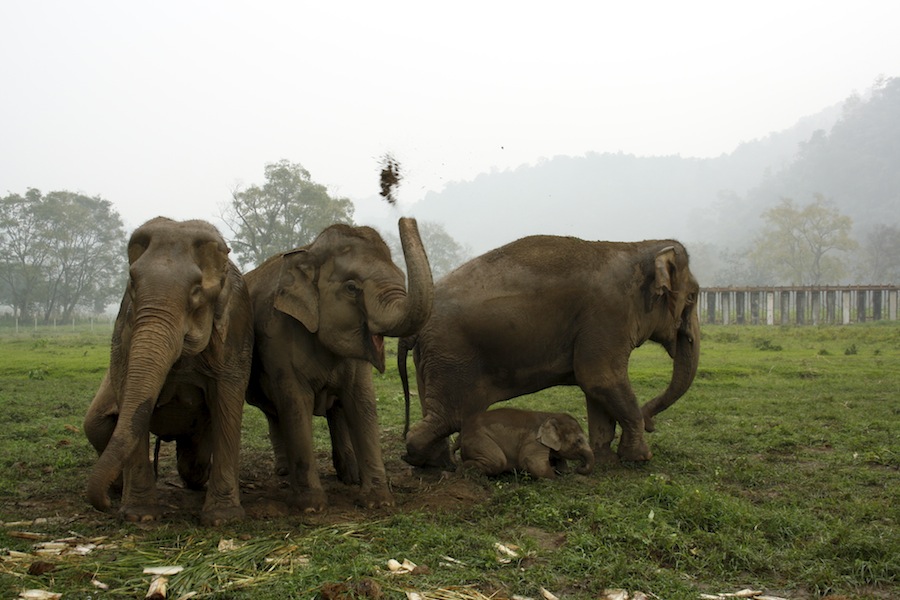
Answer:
(63, 253)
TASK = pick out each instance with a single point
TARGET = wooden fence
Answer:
(798, 305)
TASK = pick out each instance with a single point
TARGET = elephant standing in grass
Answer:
(179, 366)
(545, 311)
(507, 439)
(320, 314)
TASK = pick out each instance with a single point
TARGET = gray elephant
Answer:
(508, 439)
(545, 311)
(320, 314)
(179, 366)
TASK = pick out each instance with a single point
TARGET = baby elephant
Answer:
(505, 439)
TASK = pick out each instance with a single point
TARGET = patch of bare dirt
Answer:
(265, 496)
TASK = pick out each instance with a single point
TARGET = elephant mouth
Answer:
(375, 349)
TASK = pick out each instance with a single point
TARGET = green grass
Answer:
(779, 470)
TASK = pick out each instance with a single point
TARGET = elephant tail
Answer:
(404, 345)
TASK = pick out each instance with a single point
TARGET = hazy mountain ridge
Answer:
(847, 152)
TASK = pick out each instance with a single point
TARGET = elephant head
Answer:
(565, 438)
(345, 288)
(674, 291)
(174, 305)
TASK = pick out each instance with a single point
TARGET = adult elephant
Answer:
(320, 315)
(179, 366)
(545, 311)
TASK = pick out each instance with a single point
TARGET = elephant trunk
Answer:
(686, 358)
(587, 461)
(404, 313)
(154, 348)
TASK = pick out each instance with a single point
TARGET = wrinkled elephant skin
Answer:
(179, 366)
(508, 439)
(321, 313)
(545, 311)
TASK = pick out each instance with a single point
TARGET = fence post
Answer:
(845, 307)
(892, 304)
(861, 303)
(785, 307)
(877, 296)
(711, 307)
(830, 306)
(754, 307)
(801, 307)
(726, 307)
(816, 306)
(770, 308)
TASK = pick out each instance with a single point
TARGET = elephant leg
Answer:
(225, 402)
(601, 429)
(295, 414)
(342, 455)
(483, 454)
(194, 457)
(278, 445)
(101, 417)
(139, 502)
(100, 421)
(358, 400)
(602, 374)
(537, 462)
(428, 444)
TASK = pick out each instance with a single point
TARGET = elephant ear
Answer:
(212, 258)
(297, 294)
(548, 434)
(665, 274)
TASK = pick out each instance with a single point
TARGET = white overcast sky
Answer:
(165, 107)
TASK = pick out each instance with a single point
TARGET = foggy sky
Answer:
(164, 108)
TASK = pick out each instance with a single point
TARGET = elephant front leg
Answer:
(223, 494)
(295, 413)
(342, 456)
(601, 430)
(362, 420)
(139, 502)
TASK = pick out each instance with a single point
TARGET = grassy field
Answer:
(779, 471)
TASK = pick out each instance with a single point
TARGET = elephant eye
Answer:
(352, 288)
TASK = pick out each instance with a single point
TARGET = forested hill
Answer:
(848, 153)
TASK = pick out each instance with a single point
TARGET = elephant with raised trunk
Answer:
(506, 439)
(179, 366)
(321, 313)
(545, 311)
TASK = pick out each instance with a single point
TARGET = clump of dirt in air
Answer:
(390, 178)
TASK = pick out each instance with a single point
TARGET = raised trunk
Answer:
(153, 351)
(404, 313)
(684, 368)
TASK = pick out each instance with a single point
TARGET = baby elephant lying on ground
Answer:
(506, 439)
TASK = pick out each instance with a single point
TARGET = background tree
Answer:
(23, 251)
(59, 252)
(444, 252)
(878, 255)
(86, 239)
(800, 245)
(287, 211)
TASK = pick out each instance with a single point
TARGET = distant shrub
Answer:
(768, 346)
(851, 350)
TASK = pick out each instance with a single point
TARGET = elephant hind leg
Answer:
(428, 444)
(194, 460)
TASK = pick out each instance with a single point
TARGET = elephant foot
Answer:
(194, 476)
(309, 501)
(347, 468)
(375, 498)
(635, 452)
(436, 456)
(605, 456)
(217, 517)
(141, 513)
